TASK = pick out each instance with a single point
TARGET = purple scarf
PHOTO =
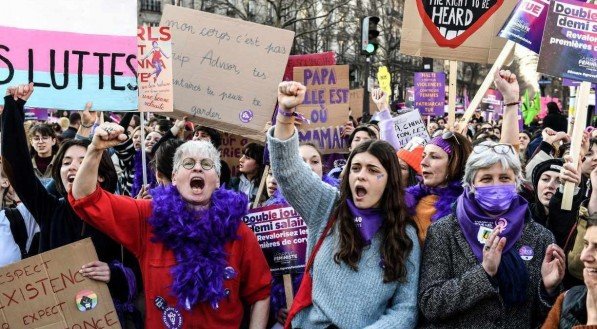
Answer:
(197, 239)
(443, 207)
(367, 220)
(472, 218)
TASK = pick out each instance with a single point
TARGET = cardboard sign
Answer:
(154, 55)
(430, 93)
(454, 30)
(569, 45)
(73, 51)
(404, 127)
(226, 71)
(356, 103)
(319, 59)
(282, 235)
(326, 105)
(231, 150)
(47, 291)
(525, 24)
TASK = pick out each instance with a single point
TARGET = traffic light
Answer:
(369, 34)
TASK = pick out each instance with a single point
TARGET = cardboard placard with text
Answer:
(154, 73)
(226, 71)
(73, 52)
(454, 30)
(47, 291)
(404, 127)
(282, 235)
(356, 103)
(326, 105)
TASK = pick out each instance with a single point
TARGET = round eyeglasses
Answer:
(500, 148)
(189, 164)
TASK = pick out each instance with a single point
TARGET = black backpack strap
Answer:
(18, 229)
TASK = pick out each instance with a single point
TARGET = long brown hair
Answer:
(396, 244)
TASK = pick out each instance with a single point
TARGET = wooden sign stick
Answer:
(143, 154)
(261, 186)
(499, 62)
(288, 291)
(580, 116)
(452, 93)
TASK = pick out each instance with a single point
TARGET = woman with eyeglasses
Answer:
(200, 263)
(361, 244)
(489, 264)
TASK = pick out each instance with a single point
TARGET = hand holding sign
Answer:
(21, 91)
(506, 82)
(380, 98)
(290, 95)
(96, 270)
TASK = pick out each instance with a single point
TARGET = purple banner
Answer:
(573, 83)
(282, 235)
(430, 92)
(35, 113)
(569, 45)
(525, 24)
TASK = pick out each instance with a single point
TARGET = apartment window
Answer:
(151, 5)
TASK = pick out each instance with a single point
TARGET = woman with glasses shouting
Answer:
(489, 264)
(200, 263)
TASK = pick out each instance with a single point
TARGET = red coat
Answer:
(125, 220)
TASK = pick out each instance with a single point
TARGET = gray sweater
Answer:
(455, 291)
(341, 297)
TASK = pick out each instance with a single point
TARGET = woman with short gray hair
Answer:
(488, 264)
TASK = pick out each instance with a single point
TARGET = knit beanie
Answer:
(547, 165)
(412, 157)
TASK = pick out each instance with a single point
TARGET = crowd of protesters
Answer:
(463, 231)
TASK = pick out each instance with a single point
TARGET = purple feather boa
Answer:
(447, 196)
(197, 239)
(138, 175)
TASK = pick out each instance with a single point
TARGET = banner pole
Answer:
(288, 291)
(143, 155)
(453, 80)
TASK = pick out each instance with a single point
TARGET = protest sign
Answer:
(573, 83)
(569, 45)
(430, 92)
(403, 128)
(319, 59)
(492, 101)
(326, 106)
(155, 73)
(226, 71)
(47, 291)
(73, 52)
(282, 235)
(356, 102)
(384, 79)
(525, 24)
(454, 30)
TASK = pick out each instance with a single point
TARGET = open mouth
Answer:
(197, 184)
(70, 178)
(361, 192)
(548, 195)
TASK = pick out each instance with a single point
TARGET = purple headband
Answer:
(442, 143)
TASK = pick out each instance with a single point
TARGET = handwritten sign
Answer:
(455, 30)
(569, 44)
(326, 105)
(73, 51)
(403, 128)
(226, 71)
(525, 25)
(47, 291)
(282, 235)
(154, 73)
(430, 92)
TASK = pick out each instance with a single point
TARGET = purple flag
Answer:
(430, 92)
(525, 24)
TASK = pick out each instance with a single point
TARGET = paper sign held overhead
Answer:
(430, 93)
(47, 291)
(403, 128)
(73, 51)
(154, 55)
(454, 30)
(326, 106)
(569, 45)
(226, 71)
